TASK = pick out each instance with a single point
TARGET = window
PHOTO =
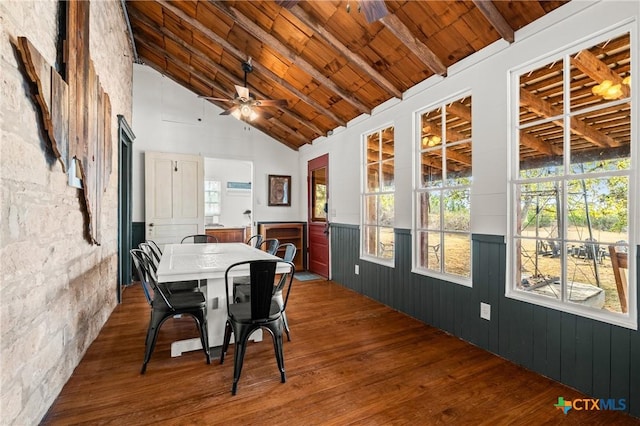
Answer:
(572, 183)
(212, 197)
(442, 237)
(378, 196)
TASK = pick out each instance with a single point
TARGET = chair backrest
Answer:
(262, 276)
(153, 291)
(149, 250)
(255, 241)
(619, 260)
(199, 239)
(141, 260)
(289, 251)
(155, 247)
(270, 245)
(289, 254)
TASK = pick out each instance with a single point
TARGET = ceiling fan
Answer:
(244, 105)
(373, 9)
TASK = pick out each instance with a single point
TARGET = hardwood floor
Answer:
(351, 361)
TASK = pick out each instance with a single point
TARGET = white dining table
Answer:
(183, 262)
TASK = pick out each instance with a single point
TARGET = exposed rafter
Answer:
(404, 34)
(320, 31)
(206, 60)
(496, 19)
(257, 66)
(589, 64)
(266, 38)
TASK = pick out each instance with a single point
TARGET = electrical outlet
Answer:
(485, 311)
(357, 269)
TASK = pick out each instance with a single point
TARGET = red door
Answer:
(318, 221)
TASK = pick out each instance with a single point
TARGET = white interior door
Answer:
(174, 196)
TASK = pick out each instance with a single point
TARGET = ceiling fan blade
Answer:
(373, 9)
(243, 92)
(271, 102)
(230, 110)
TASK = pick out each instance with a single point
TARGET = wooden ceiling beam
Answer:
(404, 34)
(597, 70)
(495, 18)
(354, 58)
(267, 39)
(545, 109)
(188, 68)
(141, 19)
(256, 65)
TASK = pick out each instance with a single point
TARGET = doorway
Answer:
(318, 215)
(125, 236)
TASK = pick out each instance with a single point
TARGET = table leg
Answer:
(216, 319)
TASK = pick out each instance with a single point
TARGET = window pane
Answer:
(459, 120)
(541, 149)
(457, 254)
(429, 256)
(388, 179)
(598, 73)
(386, 244)
(539, 217)
(431, 130)
(457, 216)
(541, 93)
(370, 240)
(429, 203)
(386, 213)
(388, 143)
(540, 266)
(373, 148)
(373, 177)
(610, 129)
(431, 169)
(459, 164)
(370, 210)
(597, 209)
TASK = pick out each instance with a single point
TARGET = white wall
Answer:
(170, 118)
(486, 75)
(233, 202)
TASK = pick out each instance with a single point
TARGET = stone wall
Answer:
(57, 290)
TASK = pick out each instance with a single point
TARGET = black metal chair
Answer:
(270, 245)
(165, 304)
(199, 239)
(242, 292)
(255, 240)
(262, 311)
(173, 287)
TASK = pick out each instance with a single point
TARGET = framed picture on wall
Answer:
(279, 190)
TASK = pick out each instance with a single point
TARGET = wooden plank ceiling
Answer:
(329, 64)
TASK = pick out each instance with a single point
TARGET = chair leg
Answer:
(225, 341)
(201, 319)
(152, 335)
(286, 325)
(237, 363)
(277, 346)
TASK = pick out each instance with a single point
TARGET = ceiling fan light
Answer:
(246, 111)
(627, 80)
(237, 114)
(253, 115)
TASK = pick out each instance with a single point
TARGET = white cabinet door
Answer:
(174, 196)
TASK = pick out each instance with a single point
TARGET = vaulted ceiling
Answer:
(323, 57)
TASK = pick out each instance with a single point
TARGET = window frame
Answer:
(390, 262)
(419, 189)
(630, 319)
